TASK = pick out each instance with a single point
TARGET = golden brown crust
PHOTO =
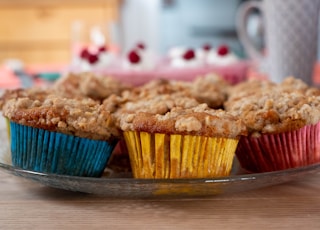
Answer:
(210, 89)
(161, 86)
(160, 104)
(256, 87)
(83, 118)
(162, 96)
(33, 93)
(248, 88)
(275, 111)
(199, 120)
(166, 106)
(89, 85)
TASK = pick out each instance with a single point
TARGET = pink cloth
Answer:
(234, 73)
(8, 79)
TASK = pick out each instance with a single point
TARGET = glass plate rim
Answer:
(163, 188)
(232, 178)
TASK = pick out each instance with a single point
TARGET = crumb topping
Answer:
(98, 107)
(88, 85)
(275, 112)
(152, 105)
(210, 89)
(33, 93)
(199, 120)
(83, 118)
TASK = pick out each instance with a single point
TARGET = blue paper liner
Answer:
(51, 152)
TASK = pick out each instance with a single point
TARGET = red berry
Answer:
(84, 54)
(93, 58)
(189, 54)
(223, 50)
(141, 46)
(134, 57)
(102, 49)
(207, 47)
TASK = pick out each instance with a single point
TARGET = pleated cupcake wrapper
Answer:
(121, 147)
(51, 152)
(280, 151)
(179, 156)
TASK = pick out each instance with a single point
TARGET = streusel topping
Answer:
(160, 104)
(210, 89)
(32, 93)
(276, 111)
(83, 118)
(256, 87)
(248, 88)
(89, 85)
(199, 120)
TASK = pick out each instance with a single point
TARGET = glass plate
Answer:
(119, 185)
(122, 185)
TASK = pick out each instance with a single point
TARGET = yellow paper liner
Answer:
(179, 156)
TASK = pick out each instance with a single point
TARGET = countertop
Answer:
(29, 205)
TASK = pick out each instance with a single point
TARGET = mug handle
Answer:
(242, 15)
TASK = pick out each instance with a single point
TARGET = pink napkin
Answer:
(8, 79)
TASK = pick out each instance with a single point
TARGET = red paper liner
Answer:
(272, 152)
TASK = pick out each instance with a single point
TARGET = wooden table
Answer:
(29, 205)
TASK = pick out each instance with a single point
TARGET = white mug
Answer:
(291, 37)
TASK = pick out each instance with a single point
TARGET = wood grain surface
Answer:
(28, 205)
(46, 31)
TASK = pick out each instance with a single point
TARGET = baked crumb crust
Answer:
(275, 108)
(209, 89)
(199, 120)
(32, 93)
(90, 85)
(83, 118)
(85, 108)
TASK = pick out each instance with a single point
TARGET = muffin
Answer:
(88, 85)
(196, 142)
(160, 96)
(210, 89)
(283, 126)
(60, 135)
(32, 93)
(246, 89)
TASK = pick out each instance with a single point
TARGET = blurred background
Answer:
(48, 31)
(44, 31)
(167, 23)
